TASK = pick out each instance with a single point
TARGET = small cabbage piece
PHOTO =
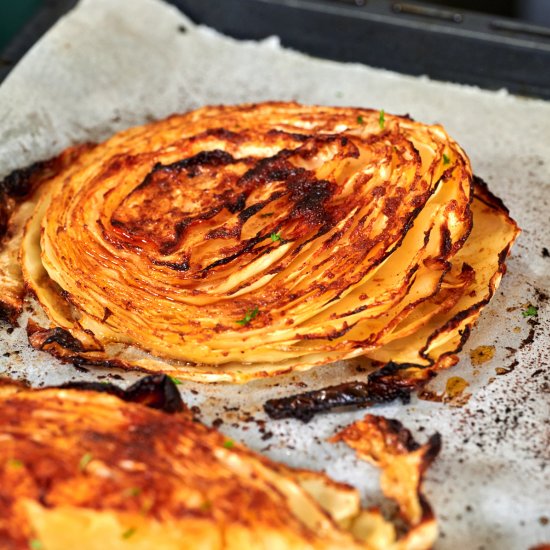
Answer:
(231, 243)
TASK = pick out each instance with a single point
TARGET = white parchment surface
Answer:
(111, 64)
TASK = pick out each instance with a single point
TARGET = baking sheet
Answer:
(109, 65)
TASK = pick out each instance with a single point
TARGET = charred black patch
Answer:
(215, 158)
(434, 448)
(223, 233)
(191, 165)
(250, 244)
(309, 196)
(391, 206)
(106, 314)
(489, 199)
(382, 386)
(62, 337)
(446, 240)
(21, 183)
(250, 211)
(404, 437)
(9, 313)
(234, 203)
(176, 266)
(168, 247)
(156, 391)
(530, 338)
(293, 135)
(5, 211)
(503, 254)
(335, 334)
(271, 169)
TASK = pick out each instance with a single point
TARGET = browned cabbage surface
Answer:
(230, 243)
(87, 470)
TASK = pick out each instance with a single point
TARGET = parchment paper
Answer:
(108, 65)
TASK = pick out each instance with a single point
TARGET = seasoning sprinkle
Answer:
(531, 311)
(250, 314)
(132, 492)
(206, 505)
(84, 461)
(129, 532)
(382, 119)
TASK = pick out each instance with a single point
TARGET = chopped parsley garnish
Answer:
(132, 492)
(175, 380)
(275, 236)
(250, 314)
(267, 214)
(15, 463)
(360, 120)
(531, 311)
(446, 159)
(84, 461)
(35, 544)
(228, 444)
(381, 119)
(129, 532)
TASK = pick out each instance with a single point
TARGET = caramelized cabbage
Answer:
(87, 470)
(231, 243)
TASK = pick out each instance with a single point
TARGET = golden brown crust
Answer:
(238, 242)
(75, 462)
(19, 193)
(390, 446)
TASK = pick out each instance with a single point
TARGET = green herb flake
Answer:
(129, 532)
(84, 461)
(267, 214)
(360, 120)
(206, 505)
(446, 159)
(35, 544)
(132, 492)
(275, 237)
(228, 444)
(382, 119)
(531, 311)
(176, 381)
(250, 314)
(15, 463)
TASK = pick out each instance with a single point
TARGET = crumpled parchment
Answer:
(108, 65)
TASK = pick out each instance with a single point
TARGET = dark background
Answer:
(15, 13)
